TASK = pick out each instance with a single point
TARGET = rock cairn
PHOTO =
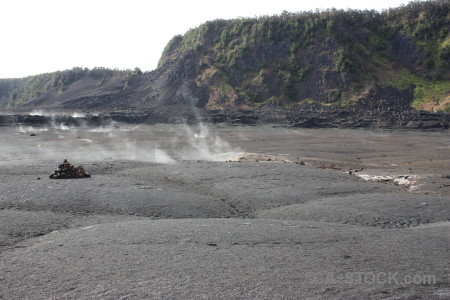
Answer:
(67, 170)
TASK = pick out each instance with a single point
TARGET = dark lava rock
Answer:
(66, 171)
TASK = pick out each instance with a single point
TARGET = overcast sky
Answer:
(40, 36)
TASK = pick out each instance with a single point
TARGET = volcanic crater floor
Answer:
(216, 212)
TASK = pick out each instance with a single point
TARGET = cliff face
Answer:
(330, 59)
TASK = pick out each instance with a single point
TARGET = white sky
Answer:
(40, 36)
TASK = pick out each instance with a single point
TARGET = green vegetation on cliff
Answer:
(16, 92)
(329, 57)
(326, 57)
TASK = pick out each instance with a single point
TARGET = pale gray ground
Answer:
(166, 216)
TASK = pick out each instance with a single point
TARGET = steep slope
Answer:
(311, 61)
(54, 89)
(328, 57)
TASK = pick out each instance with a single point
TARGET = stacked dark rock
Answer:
(66, 170)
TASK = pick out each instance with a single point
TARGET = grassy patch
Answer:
(432, 96)
(271, 100)
(304, 101)
(428, 95)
